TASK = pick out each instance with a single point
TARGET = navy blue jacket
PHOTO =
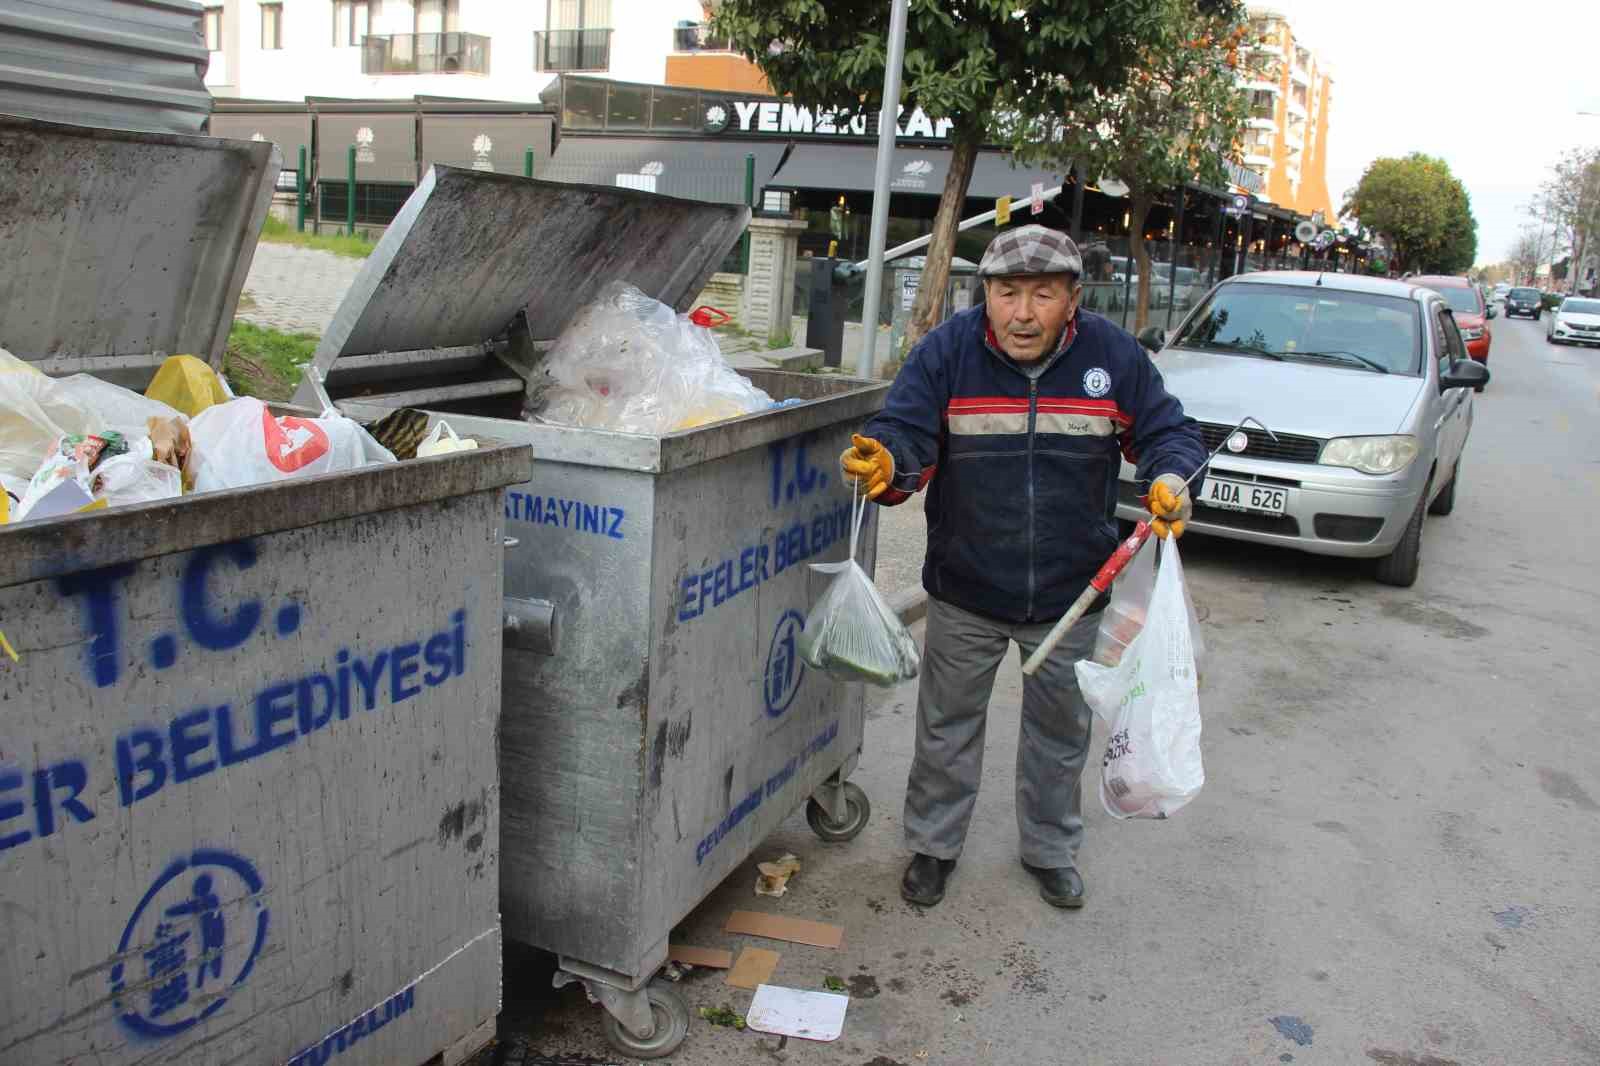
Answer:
(1022, 473)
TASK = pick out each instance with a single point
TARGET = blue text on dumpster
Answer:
(563, 513)
(752, 800)
(747, 567)
(351, 1033)
(228, 728)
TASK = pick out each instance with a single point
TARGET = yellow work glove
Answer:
(868, 464)
(1171, 506)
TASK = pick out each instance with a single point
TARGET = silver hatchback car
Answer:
(1366, 384)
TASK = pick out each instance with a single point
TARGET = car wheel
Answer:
(1445, 502)
(1400, 567)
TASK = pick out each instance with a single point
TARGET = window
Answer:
(1320, 325)
(351, 21)
(1440, 344)
(213, 27)
(437, 16)
(271, 26)
(577, 14)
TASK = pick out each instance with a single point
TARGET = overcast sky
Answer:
(1492, 88)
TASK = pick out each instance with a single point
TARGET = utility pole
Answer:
(888, 120)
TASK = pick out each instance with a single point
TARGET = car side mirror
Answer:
(1464, 374)
(1491, 312)
(1153, 337)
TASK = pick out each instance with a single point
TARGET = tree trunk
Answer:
(928, 311)
(1139, 203)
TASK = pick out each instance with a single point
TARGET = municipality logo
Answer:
(481, 147)
(1097, 382)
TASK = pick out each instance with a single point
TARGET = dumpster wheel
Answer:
(857, 808)
(671, 1015)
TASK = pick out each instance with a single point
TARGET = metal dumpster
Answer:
(657, 723)
(249, 809)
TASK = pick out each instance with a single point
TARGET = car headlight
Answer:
(1370, 455)
(1471, 334)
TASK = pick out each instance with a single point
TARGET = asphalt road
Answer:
(1394, 860)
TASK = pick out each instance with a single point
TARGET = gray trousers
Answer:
(963, 650)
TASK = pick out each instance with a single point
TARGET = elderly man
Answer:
(1012, 416)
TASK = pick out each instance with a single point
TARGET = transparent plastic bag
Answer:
(630, 364)
(1151, 699)
(37, 410)
(852, 633)
(1123, 618)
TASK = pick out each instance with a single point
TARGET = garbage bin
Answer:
(905, 277)
(660, 724)
(249, 809)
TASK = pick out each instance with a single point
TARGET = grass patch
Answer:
(280, 232)
(265, 363)
(785, 340)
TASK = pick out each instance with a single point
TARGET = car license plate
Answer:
(1243, 496)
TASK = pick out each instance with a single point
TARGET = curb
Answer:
(911, 605)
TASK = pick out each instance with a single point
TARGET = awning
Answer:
(708, 170)
(385, 144)
(496, 143)
(920, 171)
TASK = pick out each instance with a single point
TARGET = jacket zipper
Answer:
(1033, 411)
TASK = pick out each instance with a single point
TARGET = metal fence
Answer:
(560, 50)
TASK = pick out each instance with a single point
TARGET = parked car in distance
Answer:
(1366, 384)
(1523, 300)
(1576, 321)
(1500, 291)
(1472, 315)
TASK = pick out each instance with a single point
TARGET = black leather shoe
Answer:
(1059, 886)
(923, 883)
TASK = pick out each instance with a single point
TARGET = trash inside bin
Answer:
(657, 721)
(249, 810)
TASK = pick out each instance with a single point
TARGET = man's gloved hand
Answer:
(868, 464)
(1171, 506)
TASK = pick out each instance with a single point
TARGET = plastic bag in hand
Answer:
(1151, 700)
(630, 364)
(241, 443)
(1123, 618)
(852, 632)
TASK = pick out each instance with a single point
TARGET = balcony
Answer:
(563, 51)
(1296, 109)
(1261, 121)
(1257, 157)
(1300, 76)
(425, 53)
(698, 39)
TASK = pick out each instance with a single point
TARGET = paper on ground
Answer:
(711, 958)
(795, 1012)
(794, 930)
(753, 969)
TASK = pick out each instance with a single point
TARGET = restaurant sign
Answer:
(784, 119)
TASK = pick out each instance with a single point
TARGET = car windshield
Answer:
(1462, 301)
(1306, 323)
(1580, 307)
(1525, 294)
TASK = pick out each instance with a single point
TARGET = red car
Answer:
(1466, 303)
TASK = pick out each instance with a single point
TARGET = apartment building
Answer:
(479, 49)
(1287, 135)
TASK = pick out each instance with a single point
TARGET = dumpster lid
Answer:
(118, 249)
(471, 251)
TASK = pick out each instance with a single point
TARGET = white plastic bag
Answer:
(852, 632)
(137, 477)
(241, 443)
(1151, 700)
(1123, 618)
(37, 410)
(134, 476)
(443, 440)
(630, 364)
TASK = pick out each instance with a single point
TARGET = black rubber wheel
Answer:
(671, 1016)
(1445, 502)
(857, 811)
(1400, 567)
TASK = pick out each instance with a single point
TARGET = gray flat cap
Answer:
(1031, 250)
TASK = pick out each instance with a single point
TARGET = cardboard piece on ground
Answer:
(795, 1012)
(711, 958)
(753, 969)
(794, 930)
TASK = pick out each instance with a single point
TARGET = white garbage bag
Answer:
(1151, 701)
(241, 443)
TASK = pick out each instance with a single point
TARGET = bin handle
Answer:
(709, 317)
